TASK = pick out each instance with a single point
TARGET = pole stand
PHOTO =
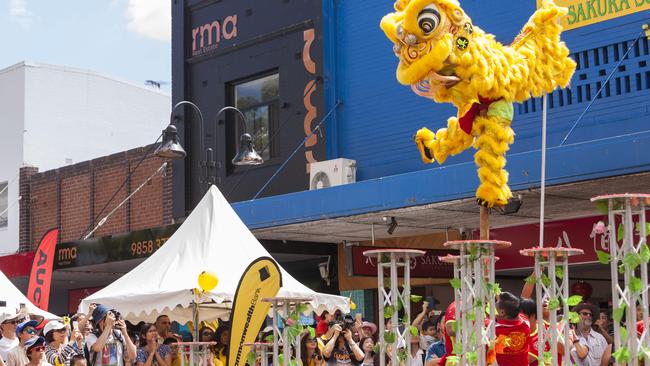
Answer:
(394, 259)
(475, 270)
(548, 263)
(286, 305)
(628, 209)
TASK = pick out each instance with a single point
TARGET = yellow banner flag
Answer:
(585, 12)
(261, 279)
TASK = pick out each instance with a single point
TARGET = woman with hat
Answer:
(34, 351)
(57, 350)
(8, 324)
(25, 331)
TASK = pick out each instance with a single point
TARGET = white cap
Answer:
(4, 317)
(53, 325)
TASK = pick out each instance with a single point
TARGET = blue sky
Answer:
(126, 39)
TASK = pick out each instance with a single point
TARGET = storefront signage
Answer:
(574, 233)
(206, 37)
(136, 244)
(585, 12)
(426, 266)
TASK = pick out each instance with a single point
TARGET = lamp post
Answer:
(171, 148)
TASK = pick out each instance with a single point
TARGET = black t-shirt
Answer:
(340, 357)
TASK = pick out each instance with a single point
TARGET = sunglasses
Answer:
(62, 330)
(584, 313)
(15, 321)
(30, 331)
(37, 349)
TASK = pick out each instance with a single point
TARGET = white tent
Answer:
(15, 299)
(212, 238)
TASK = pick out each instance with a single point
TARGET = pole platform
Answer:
(474, 296)
(626, 236)
(286, 304)
(394, 259)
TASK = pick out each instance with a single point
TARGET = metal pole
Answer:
(285, 337)
(543, 177)
(381, 299)
(644, 280)
(406, 299)
(394, 301)
(628, 238)
(565, 323)
(552, 317)
(276, 348)
(541, 334)
(613, 249)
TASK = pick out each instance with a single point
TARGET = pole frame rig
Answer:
(626, 259)
(284, 305)
(552, 288)
(394, 260)
(476, 291)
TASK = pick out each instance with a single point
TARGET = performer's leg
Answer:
(446, 141)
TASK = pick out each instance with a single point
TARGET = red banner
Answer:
(40, 278)
(574, 233)
(76, 295)
(426, 266)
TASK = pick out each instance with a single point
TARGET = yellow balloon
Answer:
(208, 281)
(353, 306)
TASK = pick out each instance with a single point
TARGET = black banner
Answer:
(113, 248)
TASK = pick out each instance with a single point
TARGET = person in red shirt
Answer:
(449, 334)
(323, 323)
(528, 308)
(512, 331)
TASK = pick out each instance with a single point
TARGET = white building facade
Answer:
(54, 116)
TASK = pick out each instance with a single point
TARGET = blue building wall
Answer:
(378, 117)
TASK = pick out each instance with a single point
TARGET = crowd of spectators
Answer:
(103, 337)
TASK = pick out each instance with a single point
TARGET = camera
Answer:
(346, 323)
(116, 314)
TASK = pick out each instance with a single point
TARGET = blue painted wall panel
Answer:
(379, 117)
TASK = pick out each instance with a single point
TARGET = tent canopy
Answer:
(214, 239)
(15, 299)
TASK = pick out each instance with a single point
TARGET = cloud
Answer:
(150, 18)
(19, 12)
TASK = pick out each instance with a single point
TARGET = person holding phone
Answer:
(58, 350)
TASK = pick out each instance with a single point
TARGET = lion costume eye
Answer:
(429, 19)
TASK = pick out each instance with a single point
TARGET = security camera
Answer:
(465, 233)
(392, 225)
(324, 269)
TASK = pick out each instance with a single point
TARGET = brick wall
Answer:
(72, 197)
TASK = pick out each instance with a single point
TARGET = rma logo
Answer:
(206, 37)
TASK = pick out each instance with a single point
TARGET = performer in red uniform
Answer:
(513, 332)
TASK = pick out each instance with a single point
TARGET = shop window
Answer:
(4, 207)
(259, 100)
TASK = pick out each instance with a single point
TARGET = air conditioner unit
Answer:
(331, 173)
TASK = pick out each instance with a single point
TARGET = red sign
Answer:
(426, 266)
(574, 233)
(75, 296)
(40, 279)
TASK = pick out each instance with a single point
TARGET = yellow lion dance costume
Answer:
(444, 57)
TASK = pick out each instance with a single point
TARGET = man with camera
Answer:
(109, 343)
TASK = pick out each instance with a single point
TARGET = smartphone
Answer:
(431, 302)
(75, 325)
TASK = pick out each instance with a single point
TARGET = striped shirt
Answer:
(62, 355)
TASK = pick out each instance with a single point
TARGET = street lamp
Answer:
(171, 148)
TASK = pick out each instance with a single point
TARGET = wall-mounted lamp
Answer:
(171, 148)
